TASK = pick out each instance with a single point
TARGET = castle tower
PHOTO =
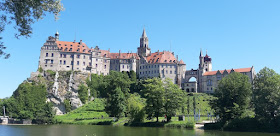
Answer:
(207, 63)
(144, 49)
(56, 36)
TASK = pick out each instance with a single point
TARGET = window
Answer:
(105, 66)
(140, 67)
(96, 60)
(84, 63)
(127, 66)
(84, 50)
(52, 54)
(140, 73)
(64, 55)
(70, 49)
(84, 56)
(71, 62)
(46, 61)
(47, 54)
(66, 49)
(122, 66)
(78, 62)
(60, 62)
(51, 61)
(60, 55)
(209, 82)
(72, 56)
(64, 62)
(78, 56)
(170, 72)
(96, 65)
(89, 63)
(166, 72)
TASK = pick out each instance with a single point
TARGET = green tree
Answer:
(173, 99)
(266, 95)
(67, 105)
(24, 14)
(154, 94)
(136, 107)
(115, 80)
(83, 93)
(116, 104)
(94, 84)
(233, 97)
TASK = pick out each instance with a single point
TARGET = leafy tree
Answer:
(173, 99)
(154, 93)
(266, 95)
(67, 105)
(115, 80)
(116, 105)
(233, 96)
(24, 13)
(83, 93)
(94, 85)
(136, 107)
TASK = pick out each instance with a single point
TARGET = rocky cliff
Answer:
(61, 85)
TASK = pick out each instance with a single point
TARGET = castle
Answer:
(59, 55)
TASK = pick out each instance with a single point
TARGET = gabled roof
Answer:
(123, 55)
(73, 47)
(162, 57)
(209, 73)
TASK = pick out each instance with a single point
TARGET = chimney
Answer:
(81, 41)
(173, 53)
(74, 41)
(177, 57)
(119, 52)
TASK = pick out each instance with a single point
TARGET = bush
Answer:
(40, 69)
(180, 124)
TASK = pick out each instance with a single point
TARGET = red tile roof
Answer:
(181, 62)
(73, 47)
(209, 73)
(123, 55)
(161, 57)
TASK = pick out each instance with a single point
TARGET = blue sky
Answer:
(236, 33)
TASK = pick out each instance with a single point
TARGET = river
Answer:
(93, 130)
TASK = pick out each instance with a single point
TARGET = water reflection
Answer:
(83, 130)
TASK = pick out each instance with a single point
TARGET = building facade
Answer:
(207, 80)
(59, 55)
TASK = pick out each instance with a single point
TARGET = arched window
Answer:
(47, 54)
(192, 89)
(188, 90)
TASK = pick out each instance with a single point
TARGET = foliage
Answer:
(40, 69)
(90, 113)
(83, 93)
(24, 14)
(136, 106)
(29, 102)
(233, 97)
(154, 93)
(94, 84)
(67, 105)
(266, 95)
(52, 73)
(173, 99)
(180, 124)
(114, 80)
(116, 105)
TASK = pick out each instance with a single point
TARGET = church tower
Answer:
(144, 49)
(205, 63)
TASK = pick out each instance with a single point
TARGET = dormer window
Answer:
(71, 45)
(84, 50)
(61, 48)
(65, 49)
(65, 45)
(165, 60)
(78, 49)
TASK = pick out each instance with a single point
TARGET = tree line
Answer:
(244, 106)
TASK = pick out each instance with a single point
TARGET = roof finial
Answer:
(144, 33)
(206, 51)
(201, 53)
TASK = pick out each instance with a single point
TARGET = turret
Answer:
(56, 36)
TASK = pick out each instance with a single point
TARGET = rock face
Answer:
(61, 85)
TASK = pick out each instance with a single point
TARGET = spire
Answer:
(201, 53)
(57, 33)
(144, 33)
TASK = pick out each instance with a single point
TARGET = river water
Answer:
(93, 130)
